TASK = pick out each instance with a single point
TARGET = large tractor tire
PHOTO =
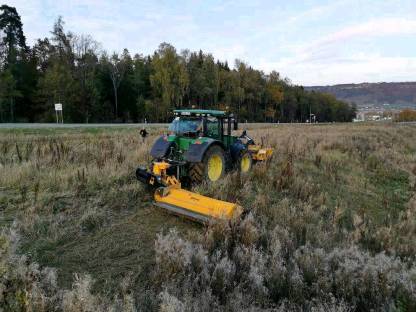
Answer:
(245, 162)
(212, 167)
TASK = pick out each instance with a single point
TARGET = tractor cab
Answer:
(196, 123)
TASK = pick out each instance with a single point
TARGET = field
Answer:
(330, 225)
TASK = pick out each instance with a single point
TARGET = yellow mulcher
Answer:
(199, 147)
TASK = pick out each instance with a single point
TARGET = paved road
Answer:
(54, 125)
(102, 125)
(134, 125)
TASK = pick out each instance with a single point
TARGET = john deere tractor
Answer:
(199, 147)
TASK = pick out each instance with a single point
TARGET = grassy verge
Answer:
(329, 190)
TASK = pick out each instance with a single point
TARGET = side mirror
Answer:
(235, 122)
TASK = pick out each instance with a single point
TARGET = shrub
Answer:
(282, 273)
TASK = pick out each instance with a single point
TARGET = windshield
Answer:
(181, 125)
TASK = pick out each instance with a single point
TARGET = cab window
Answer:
(184, 125)
(212, 127)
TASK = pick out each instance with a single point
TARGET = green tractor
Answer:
(199, 147)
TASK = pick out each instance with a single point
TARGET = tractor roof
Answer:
(202, 112)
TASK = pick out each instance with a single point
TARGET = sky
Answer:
(312, 42)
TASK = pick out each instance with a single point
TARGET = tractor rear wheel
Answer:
(196, 172)
(212, 167)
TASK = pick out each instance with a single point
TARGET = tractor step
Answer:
(194, 206)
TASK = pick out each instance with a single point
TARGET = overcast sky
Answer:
(313, 42)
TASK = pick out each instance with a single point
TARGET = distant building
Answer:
(374, 115)
(360, 116)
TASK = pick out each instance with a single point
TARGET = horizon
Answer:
(359, 83)
(311, 44)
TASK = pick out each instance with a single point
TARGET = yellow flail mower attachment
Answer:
(170, 195)
(260, 154)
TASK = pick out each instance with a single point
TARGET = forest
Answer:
(96, 86)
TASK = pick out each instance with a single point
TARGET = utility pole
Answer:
(310, 113)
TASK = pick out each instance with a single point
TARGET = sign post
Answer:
(58, 108)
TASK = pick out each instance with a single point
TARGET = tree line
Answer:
(95, 86)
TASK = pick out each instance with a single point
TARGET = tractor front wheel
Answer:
(212, 167)
(245, 162)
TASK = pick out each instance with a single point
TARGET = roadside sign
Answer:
(58, 111)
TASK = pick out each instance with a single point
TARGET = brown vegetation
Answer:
(329, 226)
(406, 115)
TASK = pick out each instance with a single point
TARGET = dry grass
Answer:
(335, 206)
(78, 205)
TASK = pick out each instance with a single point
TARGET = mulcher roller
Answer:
(195, 206)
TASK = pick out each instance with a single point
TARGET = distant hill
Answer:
(393, 95)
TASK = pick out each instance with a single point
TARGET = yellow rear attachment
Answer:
(260, 154)
(194, 206)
